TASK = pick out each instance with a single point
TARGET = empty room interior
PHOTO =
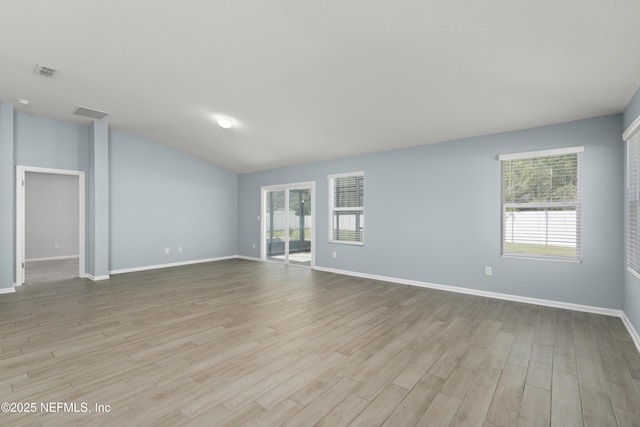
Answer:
(184, 190)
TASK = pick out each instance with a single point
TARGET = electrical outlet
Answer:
(56, 245)
(166, 251)
(488, 271)
(254, 246)
(179, 248)
(334, 254)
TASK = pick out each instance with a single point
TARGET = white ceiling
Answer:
(311, 80)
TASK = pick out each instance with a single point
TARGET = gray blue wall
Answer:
(156, 197)
(53, 144)
(631, 284)
(7, 193)
(98, 201)
(49, 143)
(162, 198)
(433, 214)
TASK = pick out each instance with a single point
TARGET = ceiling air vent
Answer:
(43, 71)
(89, 112)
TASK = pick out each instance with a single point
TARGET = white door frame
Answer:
(311, 185)
(20, 217)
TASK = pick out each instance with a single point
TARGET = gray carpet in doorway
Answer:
(51, 270)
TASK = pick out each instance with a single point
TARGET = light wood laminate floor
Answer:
(246, 343)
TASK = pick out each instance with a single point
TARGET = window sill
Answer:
(543, 258)
(344, 242)
(633, 272)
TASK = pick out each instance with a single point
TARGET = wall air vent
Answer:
(89, 112)
(43, 71)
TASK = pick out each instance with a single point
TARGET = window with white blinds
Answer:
(541, 204)
(633, 200)
(346, 204)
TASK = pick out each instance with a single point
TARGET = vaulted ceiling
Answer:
(310, 80)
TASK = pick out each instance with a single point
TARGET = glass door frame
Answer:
(309, 185)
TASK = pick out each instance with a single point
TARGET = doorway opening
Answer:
(287, 232)
(50, 224)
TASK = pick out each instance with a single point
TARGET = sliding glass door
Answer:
(276, 228)
(300, 226)
(288, 223)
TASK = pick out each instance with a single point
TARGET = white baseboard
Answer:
(7, 290)
(173, 264)
(468, 291)
(97, 278)
(53, 258)
(632, 330)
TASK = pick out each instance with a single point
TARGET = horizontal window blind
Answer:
(541, 204)
(633, 200)
(346, 192)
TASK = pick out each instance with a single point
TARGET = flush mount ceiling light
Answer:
(225, 123)
(23, 101)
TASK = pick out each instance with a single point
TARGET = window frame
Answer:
(632, 222)
(578, 150)
(333, 209)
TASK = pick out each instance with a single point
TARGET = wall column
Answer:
(7, 196)
(98, 217)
